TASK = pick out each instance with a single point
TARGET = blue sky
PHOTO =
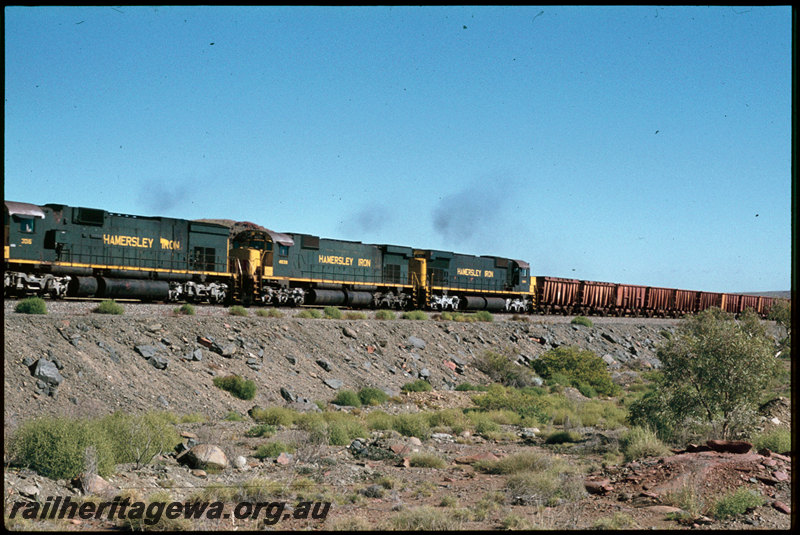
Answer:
(646, 145)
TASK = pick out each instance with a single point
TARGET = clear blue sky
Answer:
(645, 145)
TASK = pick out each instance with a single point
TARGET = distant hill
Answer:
(783, 295)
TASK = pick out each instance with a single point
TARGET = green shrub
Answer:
(454, 419)
(351, 315)
(55, 447)
(557, 482)
(420, 385)
(579, 366)
(527, 402)
(466, 387)
(139, 438)
(425, 518)
(236, 385)
(412, 425)
(109, 306)
(342, 432)
(310, 313)
(414, 315)
(502, 368)
(269, 313)
(737, 502)
(274, 416)
(234, 416)
(31, 305)
(777, 440)
(715, 369)
(427, 460)
(238, 310)
(347, 398)
(332, 313)
(185, 309)
(384, 314)
(616, 521)
(372, 396)
(560, 437)
(641, 442)
(484, 315)
(519, 462)
(379, 420)
(273, 449)
(582, 320)
(261, 431)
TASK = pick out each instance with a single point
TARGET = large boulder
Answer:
(205, 456)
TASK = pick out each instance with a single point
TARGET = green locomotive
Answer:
(65, 251)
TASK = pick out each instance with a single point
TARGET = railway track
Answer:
(81, 307)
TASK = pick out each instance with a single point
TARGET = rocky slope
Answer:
(138, 362)
(91, 364)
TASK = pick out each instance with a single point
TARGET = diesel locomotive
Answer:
(64, 251)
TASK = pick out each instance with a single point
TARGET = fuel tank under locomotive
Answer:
(472, 302)
(106, 287)
(338, 297)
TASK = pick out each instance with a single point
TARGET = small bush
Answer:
(502, 368)
(31, 305)
(737, 503)
(641, 442)
(236, 385)
(777, 440)
(579, 367)
(310, 313)
(185, 309)
(415, 315)
(412, 425)
(109, 306)
(332, 313)
(582, 320)
(466, 387)
(342, 432)
(273, 449)
(427, 460)
(384, 314)
(557, 483)
(379, 420)
(372, 396)
(688, 497)
(238, 310)
(269, 313)
(616, 521)
(274, 416)
(560, 437)
(351, 315)
(139, 438)
(234, 416)
(425, 518)
(55, 447)
(261, 431)
(347, 398)
(527, 402)
(519, 462)
(420, 385)
(484, 315)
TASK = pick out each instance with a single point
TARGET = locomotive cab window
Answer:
(283, 250)
(26, 224)
(204, 258)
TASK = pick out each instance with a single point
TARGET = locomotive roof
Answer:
(23, 208)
